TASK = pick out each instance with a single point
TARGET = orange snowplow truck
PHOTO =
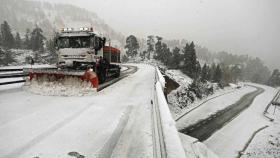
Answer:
(83, 54)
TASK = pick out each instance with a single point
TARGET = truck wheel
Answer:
(102, 77)
(118, 74)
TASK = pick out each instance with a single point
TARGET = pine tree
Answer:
(151, 45)
(18, 42)
(8, 40)
(37, 39)
(212, 72)
(274, 80)
(124, 58)
(226, 75)
(143, 54)
(204, 73)
(236, 72)
(6, 57)
(176, 58)
(1, 56)
(190, 60)
(198, 70)
(165, 55)
(50, 45)
(218, 74)
(0, 39)
(132, 46)
(208, 74)
(158, 48)
(26, 42)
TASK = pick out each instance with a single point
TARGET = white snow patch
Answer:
(179, 77)
(228, 141)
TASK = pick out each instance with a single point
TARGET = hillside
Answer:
(25, 14)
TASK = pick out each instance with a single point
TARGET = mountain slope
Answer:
(25, 14)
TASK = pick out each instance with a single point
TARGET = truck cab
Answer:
(85, 48)
(78, 49)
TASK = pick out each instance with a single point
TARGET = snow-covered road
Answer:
(231, 139)
(211, 107)
(119, 117)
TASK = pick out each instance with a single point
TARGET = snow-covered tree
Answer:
(176, 58)
(274, 79)
(190, 61)
(37, 39)
(204, 72)
(151, 45)
(50, 45)
(18, 42)
(158, 48)
(218, 74)
(26, 42)
(132, 46)
(8, 40)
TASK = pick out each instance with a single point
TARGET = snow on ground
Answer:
(177, 112)
(212, 106)
(193, 148)
(182, 99)
(267, 142)
(50, 126)
(179, 77)
(231, 139)
(123, 68)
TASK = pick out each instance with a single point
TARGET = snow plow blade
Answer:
(61, 74)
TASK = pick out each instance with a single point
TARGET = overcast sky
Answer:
(236, 26)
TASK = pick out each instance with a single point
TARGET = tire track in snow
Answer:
(108, 148)
(17, 152)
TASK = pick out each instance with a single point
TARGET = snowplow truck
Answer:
(82, 54)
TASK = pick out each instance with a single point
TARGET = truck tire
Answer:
(102, 76)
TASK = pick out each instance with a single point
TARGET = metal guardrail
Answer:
(12, 82)
(158, 139)
(12, 75)
(9, 70)
(167, 143)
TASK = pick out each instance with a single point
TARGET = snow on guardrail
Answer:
(172, 142)
(160, 78)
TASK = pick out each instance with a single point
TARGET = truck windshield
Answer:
(74, 42)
